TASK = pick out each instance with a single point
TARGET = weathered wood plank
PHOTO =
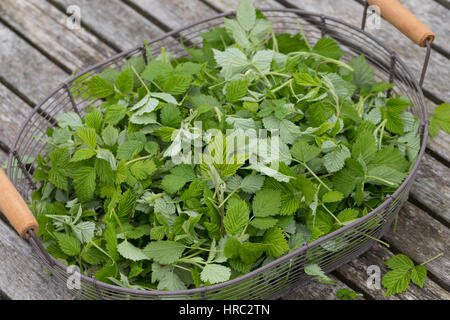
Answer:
(45, 27)
(23, 276)
(356, 273)
(27, 68)
(228, 5)
(173, 13)
(114, 21)
(421, 238)
(13, 112)
(432, 187)
(350, 11)
(313, 290)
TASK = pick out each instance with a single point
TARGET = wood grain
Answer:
(45, 27)
(115, 22)
(13, 112)
(432, 187)
(313, 290)
(23, 276)
(173, 14)
(28, 70)
(356, 273)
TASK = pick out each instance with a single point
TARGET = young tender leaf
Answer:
(164, 252)
(129, 251)
(391, 157)
(171, 116)
(308, 188)
(303, 151)
(396, 281)
(108, 156)
(348, 215)
(83, 154)
(267, 202)
(68, 244)
(69, 119)
(58, 177)
(236, 217)
(385, 176)
(88, 135)
(246, 15)
(141, 170)
(99, 88)
(363, 76)
(177, 84)
(275, 242)
(264, 223)
(129, 149)
(365, 146)
(328, 47)
(215, 273)
(178, 177)
(84, 183)
(110, 135)
(440, 119)
(399, 261)
(335, 160)
(252, 183)
(250, 252)
(232, 248)
(332, 196)
(419, 275)
(236, 90)
(115, 113)
(125, 82)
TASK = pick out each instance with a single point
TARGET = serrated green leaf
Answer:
(99, 88)
(215, 273)
(115, 113)
(84, 183)
(236, 217)
(129, 251)
(332, 196)
(264, 223)
(303, 151)
(276, 244)
(252, 183)
(177, 84)
(83, 154)
(419, 275)
(267, 202)
(246, 15)
(236, 90)
(68, 244)
(164, 252)
(124, 81)
(129, 149)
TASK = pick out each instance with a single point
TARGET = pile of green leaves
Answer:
(113, 202)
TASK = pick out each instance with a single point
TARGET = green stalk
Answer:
(432, 259)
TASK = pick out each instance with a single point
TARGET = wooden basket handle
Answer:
(406, 22)
(14, 207)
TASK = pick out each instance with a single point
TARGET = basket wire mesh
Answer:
(276, 278)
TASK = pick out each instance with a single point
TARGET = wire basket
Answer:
(276, 278)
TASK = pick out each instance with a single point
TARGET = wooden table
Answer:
(38, 51)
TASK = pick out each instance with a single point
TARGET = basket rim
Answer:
(423, 131)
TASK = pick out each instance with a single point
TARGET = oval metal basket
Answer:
(274, 279)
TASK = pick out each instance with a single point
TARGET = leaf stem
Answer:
(432, 259)
(140, 79)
